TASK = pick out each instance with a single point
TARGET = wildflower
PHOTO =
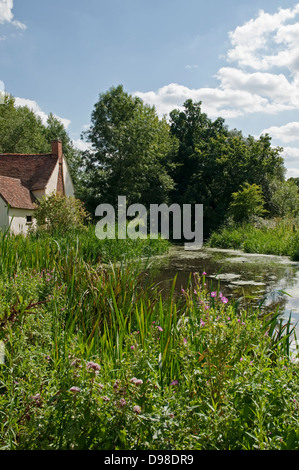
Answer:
(224, 300)
(185, 340)
(195, 293)
(213, 294)
(136, 381)
(207, 307)
(159, 328)
(133, 380)
(106, 399)
(137, 409)
(204, 273)
(171, 415)
(122, 402)
(174, 382)
(183, 291)
(220, 294)
(75, 389)
(36, 397)
(94, 366)
(132, 347)
(139, 382)
(241, 359)
(202, 323)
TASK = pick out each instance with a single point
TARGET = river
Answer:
(239, 274)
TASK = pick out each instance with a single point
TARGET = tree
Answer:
(58, 214)
(284, 198)
(213, 162)
(246, 202)
(21, 131)
(131, 153)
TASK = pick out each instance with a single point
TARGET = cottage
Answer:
(24, 179)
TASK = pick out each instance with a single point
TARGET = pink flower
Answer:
(137, 409)
(136, 381)
(202, 323)
(159, 328)
(213, 294)
(122, 402)
(75, 389)
(224, 300)
(174, 382)
(204, 273)
(93, 365)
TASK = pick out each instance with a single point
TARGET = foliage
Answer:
(60, 214)
(285, 198)
(21, 131)
(213, 162)
(246, 202)
(274, 236)
(106, 363)
(131, 153)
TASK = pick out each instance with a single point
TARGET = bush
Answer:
(60, 214)
(247, 202)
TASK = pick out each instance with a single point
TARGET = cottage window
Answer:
(29, 219)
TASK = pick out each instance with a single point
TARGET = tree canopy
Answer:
(132, 151)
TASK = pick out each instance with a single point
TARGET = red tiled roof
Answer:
(33, 171)
(15, 194)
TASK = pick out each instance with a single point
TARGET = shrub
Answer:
(247, 202)
(60, 214)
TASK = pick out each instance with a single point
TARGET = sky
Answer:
(239, 58)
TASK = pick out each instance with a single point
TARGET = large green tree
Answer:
(21, 131)
(132, 151)
(214, 162)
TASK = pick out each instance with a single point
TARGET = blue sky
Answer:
(240, 58)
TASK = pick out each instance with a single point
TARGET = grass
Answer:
(96, 358)
(277, 237)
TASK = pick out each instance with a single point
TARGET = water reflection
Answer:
(238, 275)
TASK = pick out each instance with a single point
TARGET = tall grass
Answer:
(98, 358)
(277, 237)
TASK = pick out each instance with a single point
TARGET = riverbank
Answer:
(275, 236)
(97, 359)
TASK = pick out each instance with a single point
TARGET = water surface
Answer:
(238, 274)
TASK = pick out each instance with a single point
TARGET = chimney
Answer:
(57, 151)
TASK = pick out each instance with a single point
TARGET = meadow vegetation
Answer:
(278, 236)
(97, 358)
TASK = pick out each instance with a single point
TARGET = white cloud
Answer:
(286, 133)
(33, 106)
(6, 14)
(81, 145)
(256, 43)
(265, 42)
